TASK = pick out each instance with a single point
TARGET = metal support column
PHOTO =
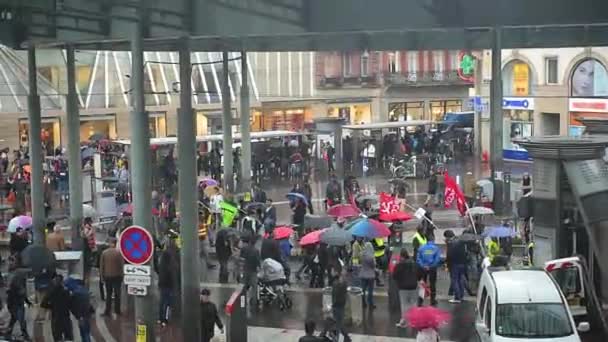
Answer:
(478, 107)
(35, 143)
(141, 176)
(339, 157)
(496, 122)
(245, 127)
(186, 139)
(74, 160)
(227, 125)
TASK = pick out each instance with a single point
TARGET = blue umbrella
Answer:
(292, 196)
(499, 232)
(368, 228)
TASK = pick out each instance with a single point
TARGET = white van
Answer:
(521, 305)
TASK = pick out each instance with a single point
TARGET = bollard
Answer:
(327, 302)
(355, 300)
(236, 316)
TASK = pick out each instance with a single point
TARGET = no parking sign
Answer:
(136, 245)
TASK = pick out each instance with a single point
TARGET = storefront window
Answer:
(589, 79)
(104, 125)
(352, 113)
(519, 124)
(201, 124)
(440, 108)
(50, 133)
(157, 123)
(406, 111)
(256, 121)
(288, 119)
(517, 79)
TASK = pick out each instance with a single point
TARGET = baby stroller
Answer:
(271, 285)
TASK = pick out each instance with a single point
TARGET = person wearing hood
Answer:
(58, 302)
(367, 274)
(428, 260)
(209, 317)
(80, 306)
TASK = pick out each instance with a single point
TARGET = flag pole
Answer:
(426, 218)
(470, 217)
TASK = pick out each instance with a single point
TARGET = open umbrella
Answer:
(88, 211)
(498, 232)
(312, 238)
(282, 232)
(425, 317)
(97, 137)
(468, 237)
(208, 182)
(87, 152)
(395, 216)
(343, 210)
(336, 237)
(480, 211)
(38, 258)
(292, 196)
(317, 222)
(368, 228)
(19, 222)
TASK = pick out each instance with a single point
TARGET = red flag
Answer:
(389, 209)
(453, 192)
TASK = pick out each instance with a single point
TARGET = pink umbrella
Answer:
(282, 232)
(312, 238)
(343, 210)
(395, 216)
(425, 317)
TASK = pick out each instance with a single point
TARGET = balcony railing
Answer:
(427, 78)
(346, 81)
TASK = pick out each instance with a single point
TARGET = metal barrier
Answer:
(236, 316)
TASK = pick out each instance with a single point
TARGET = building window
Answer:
(454, 60)
(438, 61)
(346, 65)
(365, 64)
(406, 111)
(392, 62)
(440, 108)
(551, 70)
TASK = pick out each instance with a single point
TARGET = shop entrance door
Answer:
(550, 123)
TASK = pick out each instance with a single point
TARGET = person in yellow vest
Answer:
(493, 249)
(380, 255)
(419, 240)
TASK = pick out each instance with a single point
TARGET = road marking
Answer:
(103, 329)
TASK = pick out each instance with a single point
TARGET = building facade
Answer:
(545, 92)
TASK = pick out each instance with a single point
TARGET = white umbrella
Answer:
(88, 211)
(480, 211)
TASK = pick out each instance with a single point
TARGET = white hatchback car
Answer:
(521, 305)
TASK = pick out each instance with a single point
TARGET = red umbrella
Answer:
(311, 238)
(424, 317)
(395, 216)
(282, 232)
(343, 210)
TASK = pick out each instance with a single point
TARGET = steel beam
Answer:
(227, 125)
(74, 160)
(140, 167)
(186, 138)
(496, 122)
(245, 126)
(35, 144)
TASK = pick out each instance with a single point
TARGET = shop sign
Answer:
(589, 105)
(521, 79)
(521, 103)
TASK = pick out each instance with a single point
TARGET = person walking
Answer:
(309, 329)
(167, 281)
(209, 317)
(55, 241)
(16, 299)
(457, 265)
(338, 298)
(404, 276)
(58, 302)
(251, 265)
(111, 271)
(90, 245)
(428, 260)
(367, 273)
(80, 306)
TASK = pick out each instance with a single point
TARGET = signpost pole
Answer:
(227, 125)
(140, 163)
(245, 127)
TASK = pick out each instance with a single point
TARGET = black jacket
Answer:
(251, 257)
(338, 294)
(457, 253)
(58, 301)
(166, 271)
(209, 318)
(404, 275)
(270, 249)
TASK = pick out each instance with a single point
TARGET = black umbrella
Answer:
(316, 221)
(336, 237)
(97, 137)
(38, 258)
